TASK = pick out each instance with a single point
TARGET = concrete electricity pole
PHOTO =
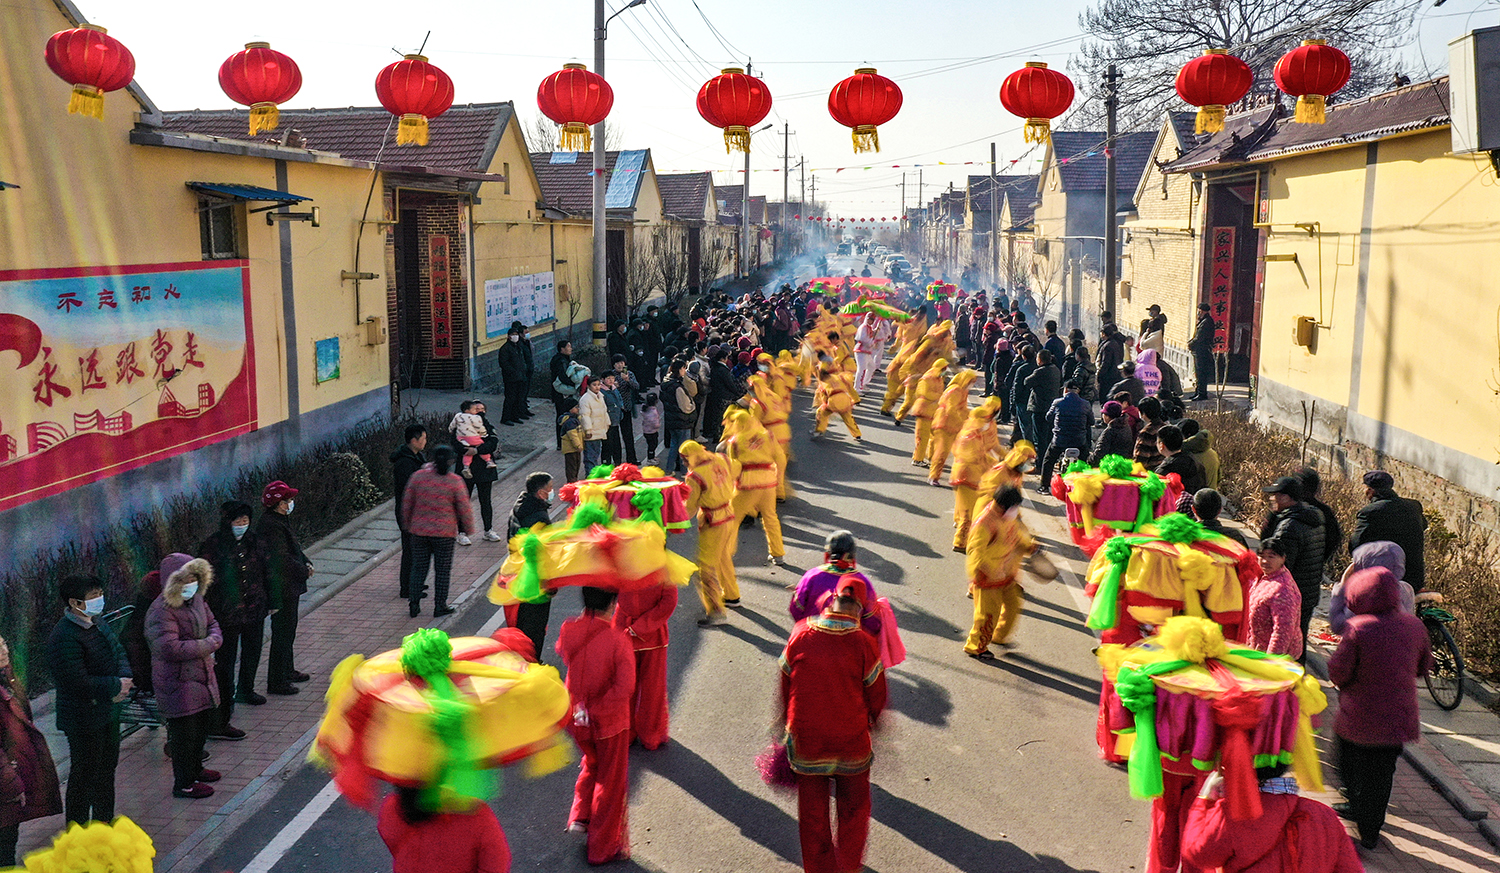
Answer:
(601, 292)
(994, 221)
(1111, 255)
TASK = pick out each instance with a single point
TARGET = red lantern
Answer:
(260, 77)
(1038, 95)
(1312, 73)
(734, 102)
(417, 91)
(864, 101)
(93, 62)
(578, 100)
(1211, 82)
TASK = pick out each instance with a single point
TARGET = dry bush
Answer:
(1462, 566)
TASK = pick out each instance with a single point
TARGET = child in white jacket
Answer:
(595, 417)
(469, 429)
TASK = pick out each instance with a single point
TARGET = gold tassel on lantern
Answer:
(263, 116)
(86, 100)
(736, 138)
(1310, 109)
(412, 130)
(576, 138)
(1210, 119)
(1038, 129)
(866, 138)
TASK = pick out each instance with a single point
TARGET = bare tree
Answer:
(670, 258)
(713, 257)
(1149, 40)
(543, 133)
(640, 276)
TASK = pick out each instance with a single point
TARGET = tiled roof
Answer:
(1080, 158)
(1185, 124)
(1266, 133)
(685, 195)
(979, 190)
(463, 138)
(731, 196)
(569, 184)
(1022, 206)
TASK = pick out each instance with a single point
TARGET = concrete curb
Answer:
(1458, 796)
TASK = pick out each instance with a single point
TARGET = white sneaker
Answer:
(775, 561)
(463, 540)
(491, 537)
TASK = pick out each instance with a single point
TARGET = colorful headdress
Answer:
(878, 308)
(1120, 495)
(118, 847)
(632, 492)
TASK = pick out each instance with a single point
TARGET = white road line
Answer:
(293, 831)
(493, 624)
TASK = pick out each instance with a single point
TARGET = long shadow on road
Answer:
(759, 820)
(1047, 676)
(954, 843)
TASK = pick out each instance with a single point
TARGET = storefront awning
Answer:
(4, 184)
(245, 192)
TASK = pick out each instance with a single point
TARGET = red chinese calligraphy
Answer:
(442, 303)
(1221, 284)
(190, 352)
(89, 368)
(45, 389)
(170, 291)
(161, 348)
(139, 293)
(68, 301)
(107, 298)
(126, 369)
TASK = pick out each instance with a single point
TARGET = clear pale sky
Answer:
(949, 58)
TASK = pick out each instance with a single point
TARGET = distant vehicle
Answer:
(845, 248)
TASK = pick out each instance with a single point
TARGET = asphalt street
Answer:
(980, 766)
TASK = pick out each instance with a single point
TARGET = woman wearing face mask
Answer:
(184, 635)
(238, 599)
(287, 572)
(92, 675)
(28, 779)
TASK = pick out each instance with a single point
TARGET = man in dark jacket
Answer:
(1017, 392)
(484, 476)
(1201, 344)
(1070, 421)
(1128, 383)
(88, 663)
(287, 572)
(1111, 355)
(723, 389)
(1116, 438)
(514, 375)
(405, 461)
(238, 599)
(1297, 529)
(1054, 343)
(1207, 504)
(1175, 460)
(1390, 517)
(1043, 385)
(531, 508)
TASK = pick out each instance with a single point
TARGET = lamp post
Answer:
(601, 293)
(745, 207)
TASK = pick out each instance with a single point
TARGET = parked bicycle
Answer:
(1445, 682)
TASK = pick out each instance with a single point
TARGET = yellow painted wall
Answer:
(1163, 253)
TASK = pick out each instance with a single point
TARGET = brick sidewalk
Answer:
(366, 618)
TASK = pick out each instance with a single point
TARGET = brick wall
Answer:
(437, 213)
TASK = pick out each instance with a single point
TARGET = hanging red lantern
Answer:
(93, 62)
(1211, 82)
(1038, 95)
(578, 100)
(261, 78)
(862, 102)
(1312, 73)
(735, 102)
(418, 92)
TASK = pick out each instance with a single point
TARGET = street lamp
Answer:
(601, 294)
(745, 207)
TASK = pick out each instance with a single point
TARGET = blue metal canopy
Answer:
(246, 192)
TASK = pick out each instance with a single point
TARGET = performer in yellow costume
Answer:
(785, 374)
(938, 343)
(975, 450)
(772, 411)
(908, 337)
(997, 543)
(835, 397)
(1008, 472)
(711, 483)
(752, 455)
(952, 412)
(929, 389)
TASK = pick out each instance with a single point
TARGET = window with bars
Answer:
(218, 229)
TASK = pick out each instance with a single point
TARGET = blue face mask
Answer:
(238, 530)
(189, 590)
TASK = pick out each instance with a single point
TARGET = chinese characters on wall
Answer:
(1221, 284)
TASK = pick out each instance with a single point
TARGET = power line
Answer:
(733, 52)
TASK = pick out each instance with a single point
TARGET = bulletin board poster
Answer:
(529, 299)
(116, 367)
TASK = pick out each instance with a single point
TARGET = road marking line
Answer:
(293, 831)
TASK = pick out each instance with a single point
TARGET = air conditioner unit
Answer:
(374, 330)
(1474, 89)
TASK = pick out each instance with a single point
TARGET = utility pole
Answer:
(994, 221)
(601, 292)
(1111, 258)
(815, 189)
(802, 168)
(905, 225)
(922, 232)
(786, 183)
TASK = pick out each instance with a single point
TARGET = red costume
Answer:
(1292, 833)
(832, 688)
(450, 842)
(601, 685)
(643, 616)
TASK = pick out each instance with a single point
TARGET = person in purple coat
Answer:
(820, 582)
(1383, 651)
(183, 635)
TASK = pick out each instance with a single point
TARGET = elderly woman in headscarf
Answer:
(1377, 554)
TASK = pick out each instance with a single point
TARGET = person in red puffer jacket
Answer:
(1291, 833)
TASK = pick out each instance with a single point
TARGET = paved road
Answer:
(980, 766)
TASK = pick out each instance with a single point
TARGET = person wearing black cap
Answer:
(1393, 518)
(1297, 531)
(1202, 346)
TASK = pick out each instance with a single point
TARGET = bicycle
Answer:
(1445, 682)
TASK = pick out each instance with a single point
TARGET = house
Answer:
(690, 201)
(731, 200)
(1067, 266)
(1354, 246)
(1017, 230)
(982, 202)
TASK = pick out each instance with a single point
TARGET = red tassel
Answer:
(1237, 713)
